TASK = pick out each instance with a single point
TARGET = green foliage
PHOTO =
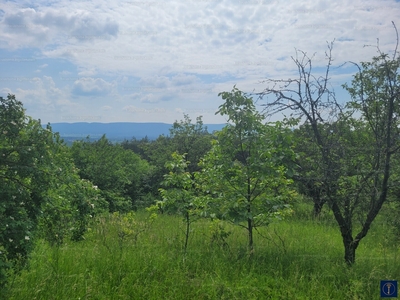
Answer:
(68, 210)
(219, 233)
(122, 228)
(180, 195)
(25, 170)
(117, 172)
(185, 137)
(244, 173)
(192, 139)
(38, 186)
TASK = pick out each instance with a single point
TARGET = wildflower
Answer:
(11, 240)
(27, 238)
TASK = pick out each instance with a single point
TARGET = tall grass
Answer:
(295, 259)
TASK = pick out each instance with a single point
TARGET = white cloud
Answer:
(46, 25)
(180, 54)
(64, 73)
(87, 86)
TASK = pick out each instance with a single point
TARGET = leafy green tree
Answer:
(156, 153)
(181, 194)
(244, 173)
(309, 175)
(33, 171)
(137, 146)
(192, 139)
(340, 139)
(185, 137)
(117, 172)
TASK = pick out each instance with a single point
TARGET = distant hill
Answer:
(116, 131)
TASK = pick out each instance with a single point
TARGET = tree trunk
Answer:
(349, 252)
(187, 229)
(318, 204)
(249, 218)
(250, 229)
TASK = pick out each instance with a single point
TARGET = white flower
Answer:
(11, 240)
(27, 238)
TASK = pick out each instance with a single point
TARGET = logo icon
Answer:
(388, 288)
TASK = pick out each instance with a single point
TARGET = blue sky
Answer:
(152, 61)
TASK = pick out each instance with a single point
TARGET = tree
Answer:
(157, 153)
(243, 173)
(308, 177)
(185, 137)
(310, 174)
(375, 91)
(181, 194)
(33, 174)
(355, 178)
(137, 146)
(115, 171)
(192, 139)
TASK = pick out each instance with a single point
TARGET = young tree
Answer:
(181, 194)
(244, 173)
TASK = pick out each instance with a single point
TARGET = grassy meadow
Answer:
(298, 258)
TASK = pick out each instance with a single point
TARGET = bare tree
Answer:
(353, 190)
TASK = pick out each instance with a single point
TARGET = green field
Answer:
(298, 258)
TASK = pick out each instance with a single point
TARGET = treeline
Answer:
(341, 156)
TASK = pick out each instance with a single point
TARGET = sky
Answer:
(153, 61)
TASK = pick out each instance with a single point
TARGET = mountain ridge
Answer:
(117, 130)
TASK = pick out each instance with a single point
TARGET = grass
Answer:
(296, 259)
